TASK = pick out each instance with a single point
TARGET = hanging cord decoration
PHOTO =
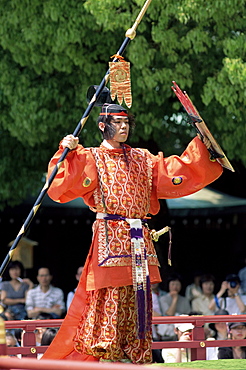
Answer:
(155, 236)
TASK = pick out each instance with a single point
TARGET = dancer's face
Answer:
(121, 128)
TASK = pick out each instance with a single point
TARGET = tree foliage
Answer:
(51, 52)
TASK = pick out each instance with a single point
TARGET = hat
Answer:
(221, 311)
(113, 110)
(232, 325)
(103, 98)
(233, 277)
(184, 327)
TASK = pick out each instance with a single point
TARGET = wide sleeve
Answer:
(76, 177)
(176, 176)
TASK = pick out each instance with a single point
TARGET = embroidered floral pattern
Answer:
(108, 327)
(124, 191)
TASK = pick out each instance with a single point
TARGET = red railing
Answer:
(198, 344)
(29, 347)
(13, 363)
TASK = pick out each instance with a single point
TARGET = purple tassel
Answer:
(148, 305)
(144, 309)
(141, 313)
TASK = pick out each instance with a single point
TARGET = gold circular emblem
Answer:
(86, 182)
(177, 180)
(120, 75)
(33, 350)
(202, 344)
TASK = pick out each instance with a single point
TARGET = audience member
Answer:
(14, 291)
(40, 330)
(157, 293)
(71, 294)
(172, 304)
(48, 335)
(229, 297)
(38, 335)
(219, 332)
(18, 333)
(194, 290)
(11, 340)
(45, 298)
(183, 333)
(203, 302)
(237, 330)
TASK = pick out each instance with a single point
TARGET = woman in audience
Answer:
(14, 290)
(219, 332)
(237, 330)
(203, 302)
(48, 336)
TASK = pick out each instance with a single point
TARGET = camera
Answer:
(233, 284)
(233, 280)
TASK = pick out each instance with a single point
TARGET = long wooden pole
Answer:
(130, 35)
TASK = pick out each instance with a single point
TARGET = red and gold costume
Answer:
(101, 321)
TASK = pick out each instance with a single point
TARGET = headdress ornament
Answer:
(113, 110)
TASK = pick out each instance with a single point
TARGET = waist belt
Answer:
(140, 271)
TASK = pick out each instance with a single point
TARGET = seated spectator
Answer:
(40, 330)
(229, 297)
(18, 333)
(157, 293)
(14, 290)
(48, 335)
(71, 294)
(11, 340)
(219, 332)
(237, 330)
(194, 290)
(202, 303)
(45, 298)
(38, 335)
(172, 304)
(183, 333)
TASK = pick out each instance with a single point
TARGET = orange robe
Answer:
(131, 185)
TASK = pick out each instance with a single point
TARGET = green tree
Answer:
(51, 52)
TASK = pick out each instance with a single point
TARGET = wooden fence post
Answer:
(198, 334)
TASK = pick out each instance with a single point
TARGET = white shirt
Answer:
(37, 298)
(230, 304)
